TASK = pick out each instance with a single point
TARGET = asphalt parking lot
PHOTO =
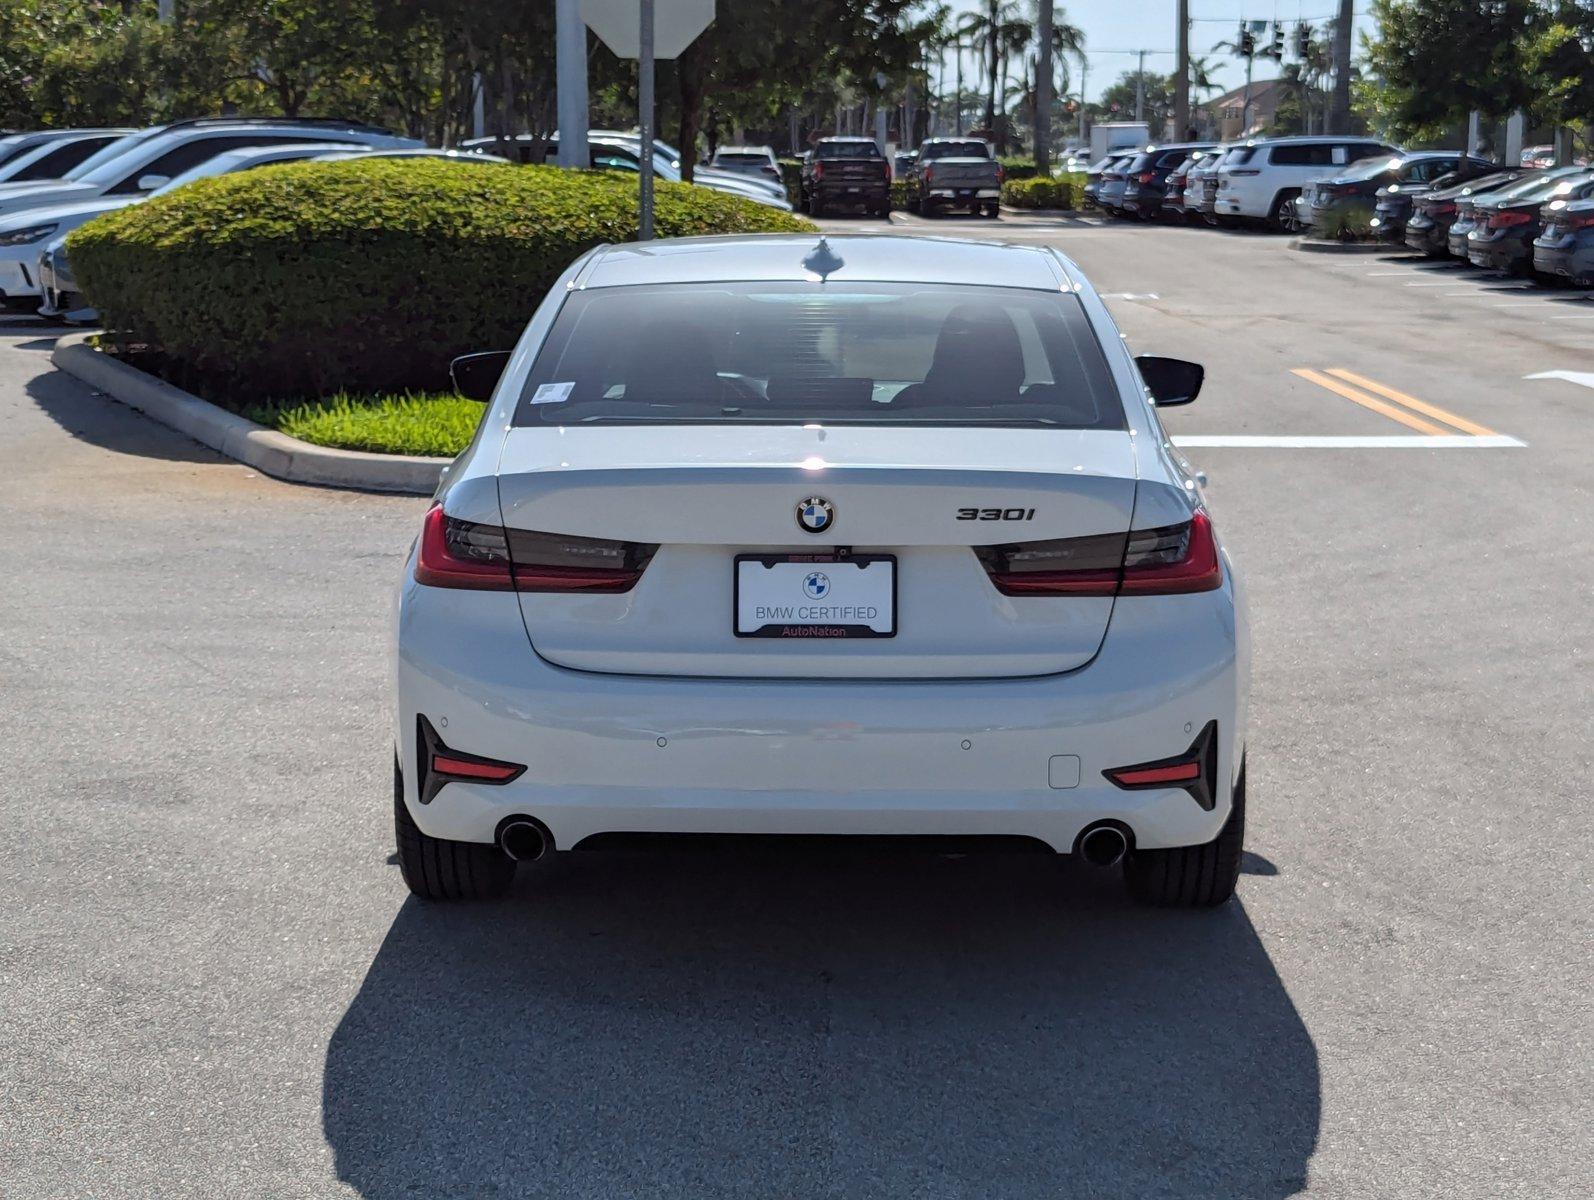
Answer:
(212, 982)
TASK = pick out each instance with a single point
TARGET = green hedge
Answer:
(1015, 167)
(309, 278)
(902, 192)
(1038, 192)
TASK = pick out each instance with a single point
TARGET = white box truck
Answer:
(1117, 135)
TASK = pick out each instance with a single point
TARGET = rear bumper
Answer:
(1567, 258)
(852, 193)
(1005, 757)
(1499, 254)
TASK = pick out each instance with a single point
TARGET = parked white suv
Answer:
(1261, 179)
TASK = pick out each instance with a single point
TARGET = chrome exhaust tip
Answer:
(1103, 845)
(522, 840)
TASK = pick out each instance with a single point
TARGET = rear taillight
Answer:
(929, 174)
(886, 166)
(1146, 562)
(1580, 220)
(1146, 176)
(1505, 220)
(1439, 209)
(467, 554)
(819, 170)
(1001, 174)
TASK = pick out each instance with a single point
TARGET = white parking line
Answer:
(1433, 283)
(1397, 441)
(1575, 317)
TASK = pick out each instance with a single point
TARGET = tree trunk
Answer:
(689, 72)
(993, 43)
(1043, 90)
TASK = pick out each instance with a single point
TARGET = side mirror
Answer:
(476, 375)
(148, 183)
(1170, 381)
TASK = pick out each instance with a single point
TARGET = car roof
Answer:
(847, 138)
(742, 150)
(873, 258)
(1303, 139)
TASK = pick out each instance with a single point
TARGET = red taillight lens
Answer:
(462, 554)
(1146, 176)
(1440, 209)
(1505, 220)
(1172, 560)
(1580, 220)
(465, 768)
(819, 170)
(1146, 776)
(466, 554)
(929, 174)
(1001, 174)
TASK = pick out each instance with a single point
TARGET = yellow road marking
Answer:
(1378, 406)
(1422, 406)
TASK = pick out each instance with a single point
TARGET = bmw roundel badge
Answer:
(816, 514)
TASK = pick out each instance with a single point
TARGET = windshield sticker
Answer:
(552, 393)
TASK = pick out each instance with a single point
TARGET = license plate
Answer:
(816, 596)
(852, 189)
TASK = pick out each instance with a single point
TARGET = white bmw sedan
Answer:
(877, 536)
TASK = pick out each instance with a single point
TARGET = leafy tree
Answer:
(1561, 55)
(1438, 60)
(1117, 102)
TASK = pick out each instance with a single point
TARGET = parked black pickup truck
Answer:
(956, 173)
(846, 172)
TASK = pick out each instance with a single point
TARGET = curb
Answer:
(1312, 246)
(266, 450)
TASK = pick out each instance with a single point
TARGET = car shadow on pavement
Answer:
(109, 424)
(820, 1025)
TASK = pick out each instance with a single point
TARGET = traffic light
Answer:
(1247, 42)
(1276, 50)
(1303, 40)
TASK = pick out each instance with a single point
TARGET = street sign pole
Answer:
(570, 70)
(644, 91)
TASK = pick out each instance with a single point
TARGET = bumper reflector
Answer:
(1196, 770)
(440, 765)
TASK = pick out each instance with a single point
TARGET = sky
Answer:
(1111, 26)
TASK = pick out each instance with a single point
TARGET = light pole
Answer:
(1181, 85)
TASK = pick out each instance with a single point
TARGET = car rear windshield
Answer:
(741, 156)
(847, 150)
(798, 353)
(954, 150)
(1370, 168)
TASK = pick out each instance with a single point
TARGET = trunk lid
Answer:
(706, 494)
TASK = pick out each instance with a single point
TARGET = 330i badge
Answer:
(1002, 583)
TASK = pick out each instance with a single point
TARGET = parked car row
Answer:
(1524, 219)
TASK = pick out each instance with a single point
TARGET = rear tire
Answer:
(437, 869)
(816, 207)
(1284, 218)
(1192, 876)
